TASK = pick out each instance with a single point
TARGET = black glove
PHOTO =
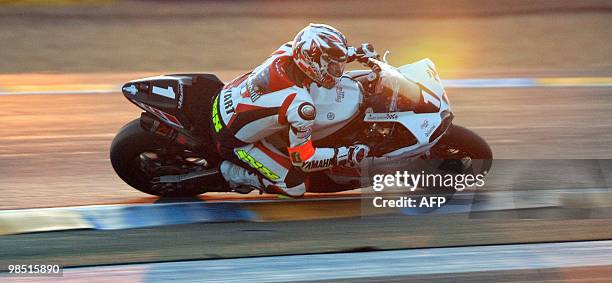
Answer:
(363, 53)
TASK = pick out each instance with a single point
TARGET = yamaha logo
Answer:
(331, 116)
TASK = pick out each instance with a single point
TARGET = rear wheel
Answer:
(140, 158)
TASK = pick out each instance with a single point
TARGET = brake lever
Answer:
(375, 74)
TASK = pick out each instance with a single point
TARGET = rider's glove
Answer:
(351, 156)
(362, 53)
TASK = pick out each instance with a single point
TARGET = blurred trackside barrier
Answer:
(113, 217)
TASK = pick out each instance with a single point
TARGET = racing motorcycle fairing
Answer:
(180, 100)
(424, 73)
(413, 96)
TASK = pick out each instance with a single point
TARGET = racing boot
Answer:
(239, 179)
(242, 181)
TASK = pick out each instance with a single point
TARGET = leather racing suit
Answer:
(273, 97)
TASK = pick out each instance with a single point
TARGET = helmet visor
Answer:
(335, 67)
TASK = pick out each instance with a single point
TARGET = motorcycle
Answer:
(402, 113)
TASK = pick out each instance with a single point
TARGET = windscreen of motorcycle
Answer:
(400, 94)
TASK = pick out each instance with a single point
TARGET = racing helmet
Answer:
(321, 52)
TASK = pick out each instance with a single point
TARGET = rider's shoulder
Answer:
(301, 94)
(271, 76)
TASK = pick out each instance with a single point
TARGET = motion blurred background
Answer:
(558, 36)
(54, 148)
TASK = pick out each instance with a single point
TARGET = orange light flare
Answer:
(452, 49)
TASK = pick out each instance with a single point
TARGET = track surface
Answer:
(54, 149)
(229, 240)
(423, 264)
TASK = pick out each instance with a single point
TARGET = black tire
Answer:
(472, 145)
(129, 143)
(458, 144)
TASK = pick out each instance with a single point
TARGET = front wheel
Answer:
(140, 158)
(461, 151)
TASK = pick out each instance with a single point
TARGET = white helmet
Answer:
(321, 52)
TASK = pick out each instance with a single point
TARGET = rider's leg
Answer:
(269, 170)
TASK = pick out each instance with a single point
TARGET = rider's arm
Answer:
(300, 117)
(362, 53)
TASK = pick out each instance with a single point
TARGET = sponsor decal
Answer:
(339, 93)
(244, 156)
(252, 91)
(307, 111)
(430, 130)
(259, 82)
(331, 116)
(295, 158)
(424, 124)
(382, 116)
(215, 115)
(180, 100)
(255, 97)
(228, 103)
(165, 92)
(325, 163)
(428, 127)
(131, 89)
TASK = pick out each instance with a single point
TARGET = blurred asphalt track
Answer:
(477, 264)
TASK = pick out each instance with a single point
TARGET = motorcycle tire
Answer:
(464, 143)
(130, 142)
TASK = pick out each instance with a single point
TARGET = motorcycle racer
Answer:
(275, 97)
